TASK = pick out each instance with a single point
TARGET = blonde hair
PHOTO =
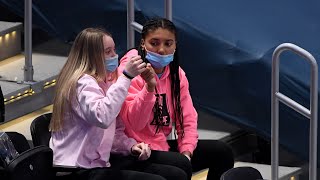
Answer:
(86, 57)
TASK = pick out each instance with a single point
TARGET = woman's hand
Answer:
(135, 66)
(148, 75)
(141, 150)
(187, 154)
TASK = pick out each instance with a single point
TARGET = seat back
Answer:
(33, 164)
(241, 173)
(41, 136)
(19, 141)
(2, 110)
(40, 130)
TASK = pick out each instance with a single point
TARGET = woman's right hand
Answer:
(135, 66)
(142, 150)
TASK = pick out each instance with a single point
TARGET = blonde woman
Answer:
(86, 130)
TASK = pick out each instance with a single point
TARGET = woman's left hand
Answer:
(187, 154)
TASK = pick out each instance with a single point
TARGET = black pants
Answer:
(174, 159)
(212, 154)
(129, 168)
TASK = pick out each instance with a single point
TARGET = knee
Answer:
(184, 164)
(225, 153)
(218, 151)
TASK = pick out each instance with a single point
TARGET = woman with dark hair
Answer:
(159, 98)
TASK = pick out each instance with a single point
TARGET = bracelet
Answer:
(124, 72)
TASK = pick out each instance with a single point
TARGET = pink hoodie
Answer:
(138, 116)
(92, 129)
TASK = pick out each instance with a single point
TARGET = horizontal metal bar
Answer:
(138, 27)
(294, 105)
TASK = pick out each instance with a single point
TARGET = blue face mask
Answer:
(112, 63)
(159, 61)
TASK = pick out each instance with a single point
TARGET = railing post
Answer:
(28, 67)
(130, 19)
(168, 9)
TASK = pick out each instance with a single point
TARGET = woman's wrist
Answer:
(126, 74)
(150, 88)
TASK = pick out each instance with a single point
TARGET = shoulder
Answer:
(183, 78)
(182, 73)
(130, 53)
(86, 80)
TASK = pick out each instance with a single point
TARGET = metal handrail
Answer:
(132, 25)
(312, 114)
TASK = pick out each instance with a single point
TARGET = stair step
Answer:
(7, 27)
(213, 135)
(10, 39)
(285, 173)
(205, 134)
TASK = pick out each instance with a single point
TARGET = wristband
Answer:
(124, 72)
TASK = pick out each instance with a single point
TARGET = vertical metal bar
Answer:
(132, 25)
(130, 19)
(314, 119)
(28, 68)
(168, 9)
(275, 117)
(313, 109)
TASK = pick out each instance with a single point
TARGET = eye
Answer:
(154, 43)
(107, 52)
(168, 44)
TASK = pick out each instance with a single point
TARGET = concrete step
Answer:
(22, 98)
(205, 134)
(10, 39)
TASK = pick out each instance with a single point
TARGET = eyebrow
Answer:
(107, 48)
(156, 39)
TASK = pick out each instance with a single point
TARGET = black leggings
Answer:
(129, 168)
(212, 154)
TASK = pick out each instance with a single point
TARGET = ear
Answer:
(142, 44)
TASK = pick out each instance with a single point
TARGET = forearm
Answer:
(138, 110)
(97, 107)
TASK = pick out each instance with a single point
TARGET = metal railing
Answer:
(132, 25)
(312, 114)
(28, 67)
